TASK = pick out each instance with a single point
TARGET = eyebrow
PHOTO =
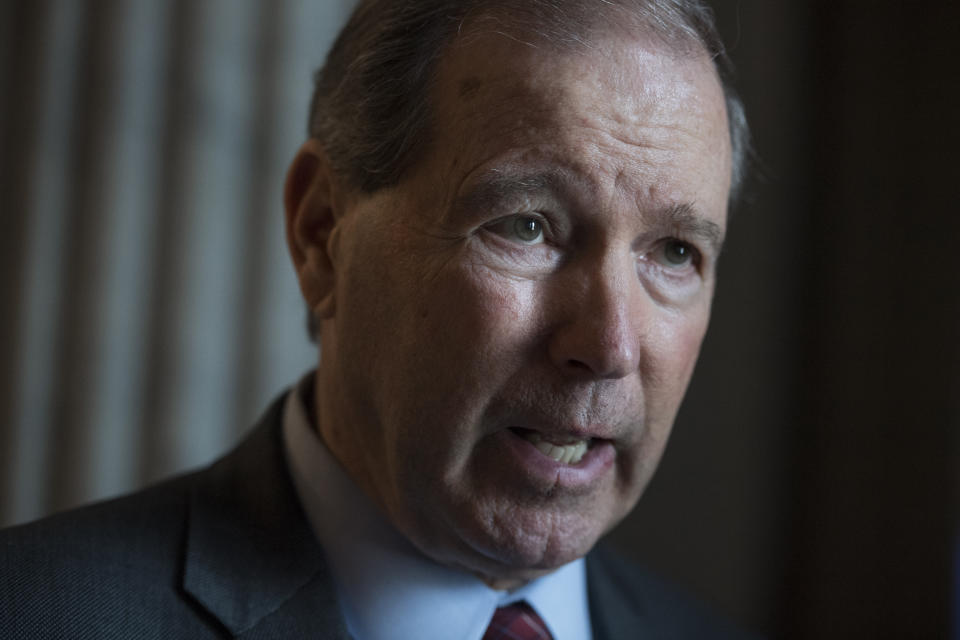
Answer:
(497, 187)
(685, 218)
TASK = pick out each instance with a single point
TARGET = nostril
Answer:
(585, 346)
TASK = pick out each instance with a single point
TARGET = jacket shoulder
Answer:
(627, 600)
(112, 566)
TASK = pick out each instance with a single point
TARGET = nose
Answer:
(600, 328)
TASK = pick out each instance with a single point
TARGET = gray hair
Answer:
(370, 106)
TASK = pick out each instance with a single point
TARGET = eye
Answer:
(677, 253)
(522, 229)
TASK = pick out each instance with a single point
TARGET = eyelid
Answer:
(539, 217)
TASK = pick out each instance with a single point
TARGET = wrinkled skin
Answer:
(548, 265)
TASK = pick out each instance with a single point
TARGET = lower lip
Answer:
(543, 469)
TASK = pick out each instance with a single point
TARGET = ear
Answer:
(312, 212)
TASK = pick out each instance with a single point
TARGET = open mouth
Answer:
(565, 451)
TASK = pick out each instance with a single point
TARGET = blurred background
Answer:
(149, 311)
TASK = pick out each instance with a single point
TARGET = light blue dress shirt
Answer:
(386, 588)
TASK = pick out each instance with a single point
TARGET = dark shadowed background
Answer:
(148, 311)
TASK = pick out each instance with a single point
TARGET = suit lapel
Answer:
(251, 558)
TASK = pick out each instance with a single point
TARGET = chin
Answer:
(516, 566)
(513, 537)
(518, 552)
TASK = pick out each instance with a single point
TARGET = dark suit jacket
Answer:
(227, 552)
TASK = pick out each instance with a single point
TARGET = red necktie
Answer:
(517, 621)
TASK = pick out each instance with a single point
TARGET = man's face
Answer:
(515, 324)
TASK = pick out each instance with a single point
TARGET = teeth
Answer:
(570, 453)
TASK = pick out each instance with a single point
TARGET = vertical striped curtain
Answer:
(149, 310)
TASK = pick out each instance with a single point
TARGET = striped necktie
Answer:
(517, 621)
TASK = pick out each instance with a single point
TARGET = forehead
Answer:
(623, 106)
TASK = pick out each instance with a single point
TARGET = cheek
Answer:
(472, 335)
(672, 354)
(460, 337)
(484, 317)
(688, 340)
(671, 350)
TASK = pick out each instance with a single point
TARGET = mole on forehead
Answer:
(469, 87)
(507, 85)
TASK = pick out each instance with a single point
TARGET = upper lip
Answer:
(565, 433)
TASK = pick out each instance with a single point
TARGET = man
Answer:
(505, 225)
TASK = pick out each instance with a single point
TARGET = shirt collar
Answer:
(387, 588)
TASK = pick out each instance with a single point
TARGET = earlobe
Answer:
(311, 217)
